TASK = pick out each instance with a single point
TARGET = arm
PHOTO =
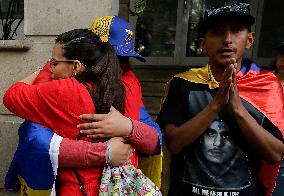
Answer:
(179, 137)
(143, 138)
(87, 154)
(25, 99)
(181, 132)
(262, 142)
(113, 124)
(31, 101)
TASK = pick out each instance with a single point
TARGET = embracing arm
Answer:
(25, 99)
(142, 137)
(88, 154)
(136, 126)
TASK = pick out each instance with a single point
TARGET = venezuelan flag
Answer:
(33, 169)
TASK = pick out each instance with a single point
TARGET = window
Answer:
(270, 30)
(11, 19)
(156, 29)
(167, 30)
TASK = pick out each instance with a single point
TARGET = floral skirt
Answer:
(126, 180)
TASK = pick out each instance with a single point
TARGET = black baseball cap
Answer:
(226, 11)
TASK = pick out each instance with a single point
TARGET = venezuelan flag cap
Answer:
(119, 33)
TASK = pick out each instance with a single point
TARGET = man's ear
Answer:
(250, 40)
(202, 45)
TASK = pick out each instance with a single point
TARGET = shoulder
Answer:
(62, 86)
(131, 82)
(129, 77)
(190, 77)
(256, 73)
(252, 68)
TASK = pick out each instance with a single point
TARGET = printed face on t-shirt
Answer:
(217, 144)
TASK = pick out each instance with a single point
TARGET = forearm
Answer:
(179, 137)
(81, 154)
(262, 142)
(144, 138)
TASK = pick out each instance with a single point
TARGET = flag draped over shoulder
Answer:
(33, 169)
(260, 88)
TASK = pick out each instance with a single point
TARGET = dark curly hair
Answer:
(102, 67)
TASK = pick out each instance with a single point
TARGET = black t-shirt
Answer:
(220, 161)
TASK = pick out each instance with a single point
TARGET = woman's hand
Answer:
(120, 152)
(113, 124)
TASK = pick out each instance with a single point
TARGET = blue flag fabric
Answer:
(34, 166)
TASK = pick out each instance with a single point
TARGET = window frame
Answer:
(180, 58)
(17, 23)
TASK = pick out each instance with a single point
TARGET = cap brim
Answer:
(128, 52)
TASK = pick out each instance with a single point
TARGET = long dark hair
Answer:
(102, 67)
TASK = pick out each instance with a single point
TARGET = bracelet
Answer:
(108, 155)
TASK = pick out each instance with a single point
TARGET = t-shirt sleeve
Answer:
(174, 109)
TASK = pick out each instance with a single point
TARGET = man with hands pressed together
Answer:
(238, 92)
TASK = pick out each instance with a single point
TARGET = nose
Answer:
(217, 140)
(228, 37)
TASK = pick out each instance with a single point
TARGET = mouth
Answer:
(227, 51)
(216, 152)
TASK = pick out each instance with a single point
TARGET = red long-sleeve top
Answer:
(144, 137)
(54, 105)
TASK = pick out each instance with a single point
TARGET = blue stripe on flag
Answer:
(146, 118)
(32, 160)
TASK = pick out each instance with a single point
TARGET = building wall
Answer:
(18, 58)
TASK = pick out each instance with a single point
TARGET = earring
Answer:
(74, 73)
